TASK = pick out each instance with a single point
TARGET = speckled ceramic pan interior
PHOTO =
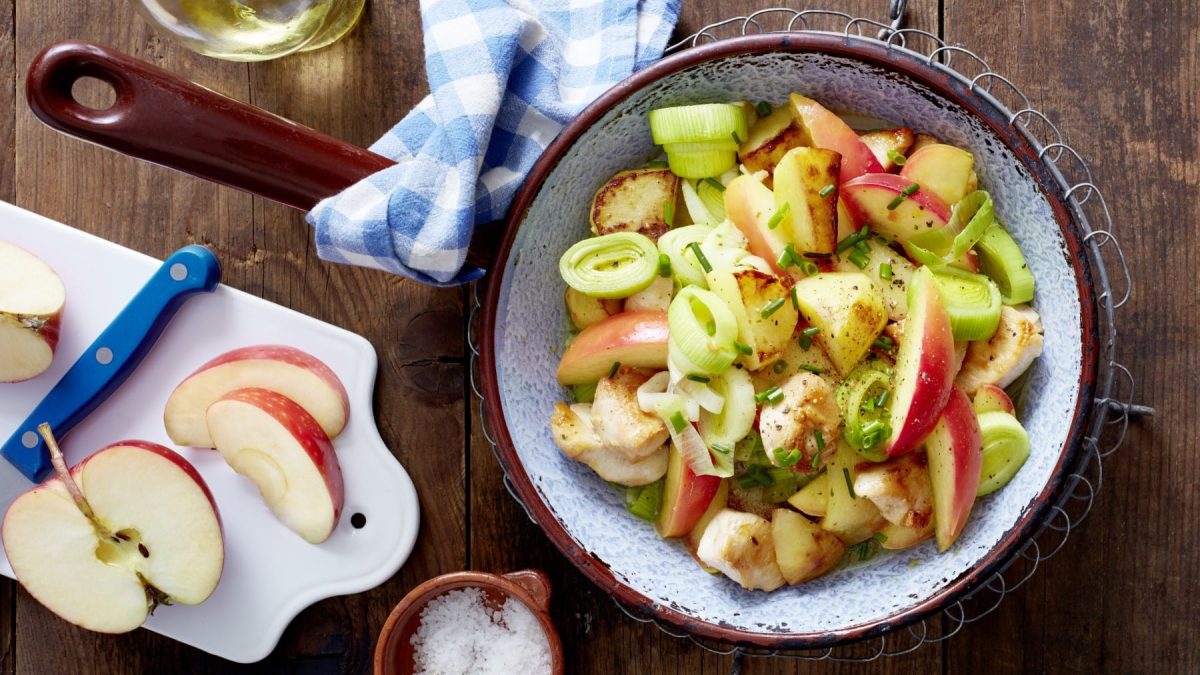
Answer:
(585, 517)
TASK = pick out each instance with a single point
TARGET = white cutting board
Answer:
(270, 574)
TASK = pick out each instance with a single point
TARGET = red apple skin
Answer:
(637, 339)
(307, 433)
(685, 499)
(989, 397)
(283, 354)
(955, 452)
(749, 205)
(925, 366)
(827, 130)
(868, 195)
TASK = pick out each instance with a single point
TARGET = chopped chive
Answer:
(695, 247)
(763, 108)
(863, 246)
(885, 271)
(766, 394)
(657, 164)
(883, 397)
(816, 460)
(669, 213)
(897, 158)
(677, 422)
(615, 367)
(908, 191)
(805, 342)
(883, 342)
(743, 348)
(711, 327)
(779, 215)
(816, 370)
(818, 255)
(849, 483)
(775, 398)
(721, 448)
(716, 184)
(852, 240)
(664, 265)
(746, 482)
(786, 259)
(820, 438)
(786, 458)
(860, 261)
(772, 307)
(795, 298)
(895, 203)
(880, 537)
(699, 378)
(809, 268)
(779, 366)
(811, 331)
(736, 139)
(827, 190)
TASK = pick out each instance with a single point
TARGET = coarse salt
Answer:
(460, 635)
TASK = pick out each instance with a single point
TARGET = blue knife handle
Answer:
(113, 356)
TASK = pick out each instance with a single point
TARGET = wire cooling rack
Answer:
(1115, 389)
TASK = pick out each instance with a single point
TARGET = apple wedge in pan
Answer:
(804, 349)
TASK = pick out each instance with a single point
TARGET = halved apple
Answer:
(924, 372)
(803, 550)
(748, 292)
(802, 176)
(989, 398)
(270, 439)
(869, 197)
(848, 309)
(635, 339)
(955, 451)
(297, 375)
(685, 497)
(769, 139)
(823, 129)
(31, 304)
(884, 142)
(155, 538)
(749, 205)
(941, 169)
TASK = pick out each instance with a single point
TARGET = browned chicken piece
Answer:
(620, 423)
(1000, 360)
(900, 489)
(740, 546)
(575, 435)
(808, 405)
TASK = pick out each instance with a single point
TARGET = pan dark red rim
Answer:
(953, 88)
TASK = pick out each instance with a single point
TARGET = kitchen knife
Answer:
(109, 360)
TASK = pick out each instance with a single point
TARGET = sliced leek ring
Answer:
(713, 198)
(701, 163)
(1001, 259)
(614, 265)
(698, 123)
(684, 266)
(736, 419)
(972, 301)
(703, 329)
(1005, 449)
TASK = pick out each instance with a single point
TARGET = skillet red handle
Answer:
(169, 121)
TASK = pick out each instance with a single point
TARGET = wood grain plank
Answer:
(8, 102)
(1119, 78)
(597, 636)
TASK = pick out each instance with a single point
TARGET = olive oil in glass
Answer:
(253, 30)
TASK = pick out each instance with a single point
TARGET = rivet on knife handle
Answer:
(113, 356)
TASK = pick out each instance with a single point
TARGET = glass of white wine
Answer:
(253, 30)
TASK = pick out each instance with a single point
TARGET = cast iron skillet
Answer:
(166, 120)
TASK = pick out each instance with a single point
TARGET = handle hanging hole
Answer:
(358, 521)
(93, 93)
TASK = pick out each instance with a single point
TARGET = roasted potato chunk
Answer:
(880, 142)
(635, 201)
(770, 139)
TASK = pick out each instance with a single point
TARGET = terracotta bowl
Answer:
(394, 650)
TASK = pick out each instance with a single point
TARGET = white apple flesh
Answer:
(157, 536)
(955, 455)
(271, 440)
(297, 375)
(31, 303)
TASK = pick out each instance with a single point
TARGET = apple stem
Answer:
(64, 474)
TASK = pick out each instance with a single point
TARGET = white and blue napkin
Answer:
(505, 77)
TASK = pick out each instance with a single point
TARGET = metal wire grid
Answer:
(1115, 384)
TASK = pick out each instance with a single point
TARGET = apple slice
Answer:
(719, 501)
(131, 527)
(884, 142)
(270, 439)
(634, 339)
(823, 129)
(813, 498)
(803, 550)
(955, 452)
(925, 363)
(941, 169)
(686, 497)
(297, 375)
(989, 398)
(31, 303)
(750, 205)
(869, 196)
(848, 308)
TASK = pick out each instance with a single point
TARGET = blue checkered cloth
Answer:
(505, 78)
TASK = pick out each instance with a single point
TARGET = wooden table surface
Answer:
(1120, 79)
